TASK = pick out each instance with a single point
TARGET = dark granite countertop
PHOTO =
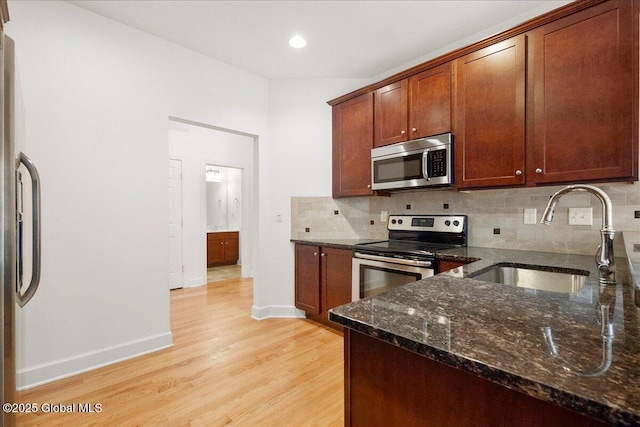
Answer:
(335, 243)
(496, 331)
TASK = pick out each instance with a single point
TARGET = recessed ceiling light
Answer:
(297, 41)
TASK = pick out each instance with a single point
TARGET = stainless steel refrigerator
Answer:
(18, 179)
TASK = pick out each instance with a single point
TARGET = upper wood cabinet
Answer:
(552, 101)
(430, 102)
(490, 115)
(391, 116)
(415, 107)
(582, 97)
(352, 144)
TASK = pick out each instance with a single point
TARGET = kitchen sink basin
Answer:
(555, 280)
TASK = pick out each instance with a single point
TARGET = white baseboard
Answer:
(48, 372)
(198, 281)
(287, 311)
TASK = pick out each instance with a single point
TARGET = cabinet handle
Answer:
(323, 254)
(414, 130)
(518, 172)
(369, 186)
(315, 254)
(222, 243)
(538, 170)
(402, 132)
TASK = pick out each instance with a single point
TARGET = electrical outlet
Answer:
(383, 216)
(278, 216)
(530, 216)
(580, 216)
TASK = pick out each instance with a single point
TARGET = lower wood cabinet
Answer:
(223, 248)
(449, 265)
(322, 280)
(390, 386)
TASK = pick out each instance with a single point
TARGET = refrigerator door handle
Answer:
(23, 299)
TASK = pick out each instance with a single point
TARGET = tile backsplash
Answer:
(488, 210)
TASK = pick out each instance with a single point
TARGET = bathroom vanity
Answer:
(222, 248)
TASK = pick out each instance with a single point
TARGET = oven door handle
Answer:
(393, 260)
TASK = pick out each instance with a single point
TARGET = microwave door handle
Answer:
(426, 165)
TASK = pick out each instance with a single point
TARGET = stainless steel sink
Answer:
(566, 280)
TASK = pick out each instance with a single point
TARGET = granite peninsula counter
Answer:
(495, 332)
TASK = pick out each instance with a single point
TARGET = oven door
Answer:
(374, 274)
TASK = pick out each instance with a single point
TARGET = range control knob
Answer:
(399, 221)
(447, 223)
(456, 223)
(393, 221)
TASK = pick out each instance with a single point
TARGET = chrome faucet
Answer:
(605, 259)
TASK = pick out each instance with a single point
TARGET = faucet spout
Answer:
(605, 259)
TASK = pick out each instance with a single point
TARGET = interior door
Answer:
(175, 224)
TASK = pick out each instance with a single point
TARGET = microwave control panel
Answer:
(438, 163)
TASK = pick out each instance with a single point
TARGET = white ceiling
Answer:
(346, 39)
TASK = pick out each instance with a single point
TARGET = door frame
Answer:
(178, 159)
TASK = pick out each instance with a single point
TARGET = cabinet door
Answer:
(430, 102)
(490, 116)
(307, 280)
(336, 277)
(352, 144)
(391, 114)
(583, 96)
(215, 249)
(232, 248)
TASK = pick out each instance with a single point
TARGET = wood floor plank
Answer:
(225, 368)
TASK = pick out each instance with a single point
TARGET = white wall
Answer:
(98, 96)
(198, 146)
(299, 164)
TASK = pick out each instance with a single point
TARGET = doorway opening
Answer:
(224, 222)
(223, 152)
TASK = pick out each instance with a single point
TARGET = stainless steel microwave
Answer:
(424, 162)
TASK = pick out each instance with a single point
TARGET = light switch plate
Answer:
(383, 216)
(530, 216)
(580, 216)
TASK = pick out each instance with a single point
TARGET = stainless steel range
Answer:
(408, 255)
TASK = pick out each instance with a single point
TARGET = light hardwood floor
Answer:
(224, 272)
(225, 368)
